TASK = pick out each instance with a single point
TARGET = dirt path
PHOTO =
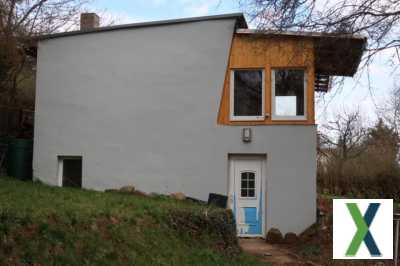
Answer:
(270, 254)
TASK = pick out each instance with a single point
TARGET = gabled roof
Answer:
(240, 23)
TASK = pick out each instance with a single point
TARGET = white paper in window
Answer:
(285, 105)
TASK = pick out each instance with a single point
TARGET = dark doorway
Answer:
(71, 171)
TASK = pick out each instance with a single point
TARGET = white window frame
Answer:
(255, 186)
(294, 117)
(232, 97)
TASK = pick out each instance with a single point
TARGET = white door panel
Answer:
(247, 195)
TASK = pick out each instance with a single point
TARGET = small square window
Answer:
(70, 171)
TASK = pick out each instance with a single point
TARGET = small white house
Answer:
(197, 105)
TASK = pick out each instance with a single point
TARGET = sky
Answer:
(365, 92)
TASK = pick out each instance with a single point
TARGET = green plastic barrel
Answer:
(19, 158)
(5, 140)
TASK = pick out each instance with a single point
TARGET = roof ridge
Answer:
(241, 22)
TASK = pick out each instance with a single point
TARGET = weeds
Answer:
(41, 225)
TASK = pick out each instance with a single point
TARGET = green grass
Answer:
(330, 196)
(42, 225)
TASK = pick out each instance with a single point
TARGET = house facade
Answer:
(199, 105)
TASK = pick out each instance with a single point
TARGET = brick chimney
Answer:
(89, 21)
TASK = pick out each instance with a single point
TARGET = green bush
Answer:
(217, 223)
(380, 186)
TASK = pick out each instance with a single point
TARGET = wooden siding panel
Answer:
(256, 51)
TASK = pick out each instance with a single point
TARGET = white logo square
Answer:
(362, 229)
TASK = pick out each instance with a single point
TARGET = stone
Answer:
(290, 238)
(178, 196)
(139, 193)
(127, 189)
(274, 236)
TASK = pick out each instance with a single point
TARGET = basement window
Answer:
(247, 94)
(70, 171)
(288, 94)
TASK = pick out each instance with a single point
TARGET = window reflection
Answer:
(247, 93)
(289, 92)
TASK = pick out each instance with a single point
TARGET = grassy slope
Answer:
(47, 225)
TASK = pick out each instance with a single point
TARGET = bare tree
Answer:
(379, 20)
(20, 20)
(343, 139)
(390, 111)
(357, 160)
(31, 17)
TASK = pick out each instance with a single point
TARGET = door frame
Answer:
(60, 167)
(232, 198)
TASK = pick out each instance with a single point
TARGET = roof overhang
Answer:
(240, 23)
(31, 44)
(335, 54)
(338, 56)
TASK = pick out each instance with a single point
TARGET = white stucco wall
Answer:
(140, 106)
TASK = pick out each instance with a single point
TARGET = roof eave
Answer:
(310, 34)
(240, 23)
(335, 54)
(339, 57)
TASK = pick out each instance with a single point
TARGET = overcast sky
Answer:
(361, 92)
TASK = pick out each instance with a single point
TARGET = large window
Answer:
(247, 94)
(288, 94)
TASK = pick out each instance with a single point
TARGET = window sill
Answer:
(288, 118)
(246, 118)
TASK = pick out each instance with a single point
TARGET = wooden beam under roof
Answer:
(335, 54)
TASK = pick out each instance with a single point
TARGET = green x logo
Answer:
(363, 233)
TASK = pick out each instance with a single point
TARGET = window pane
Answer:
(251, 192)
(289, 92)
(251, 184)
(247, 93)
(244, 183)
(243, 193)
(250, 176)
